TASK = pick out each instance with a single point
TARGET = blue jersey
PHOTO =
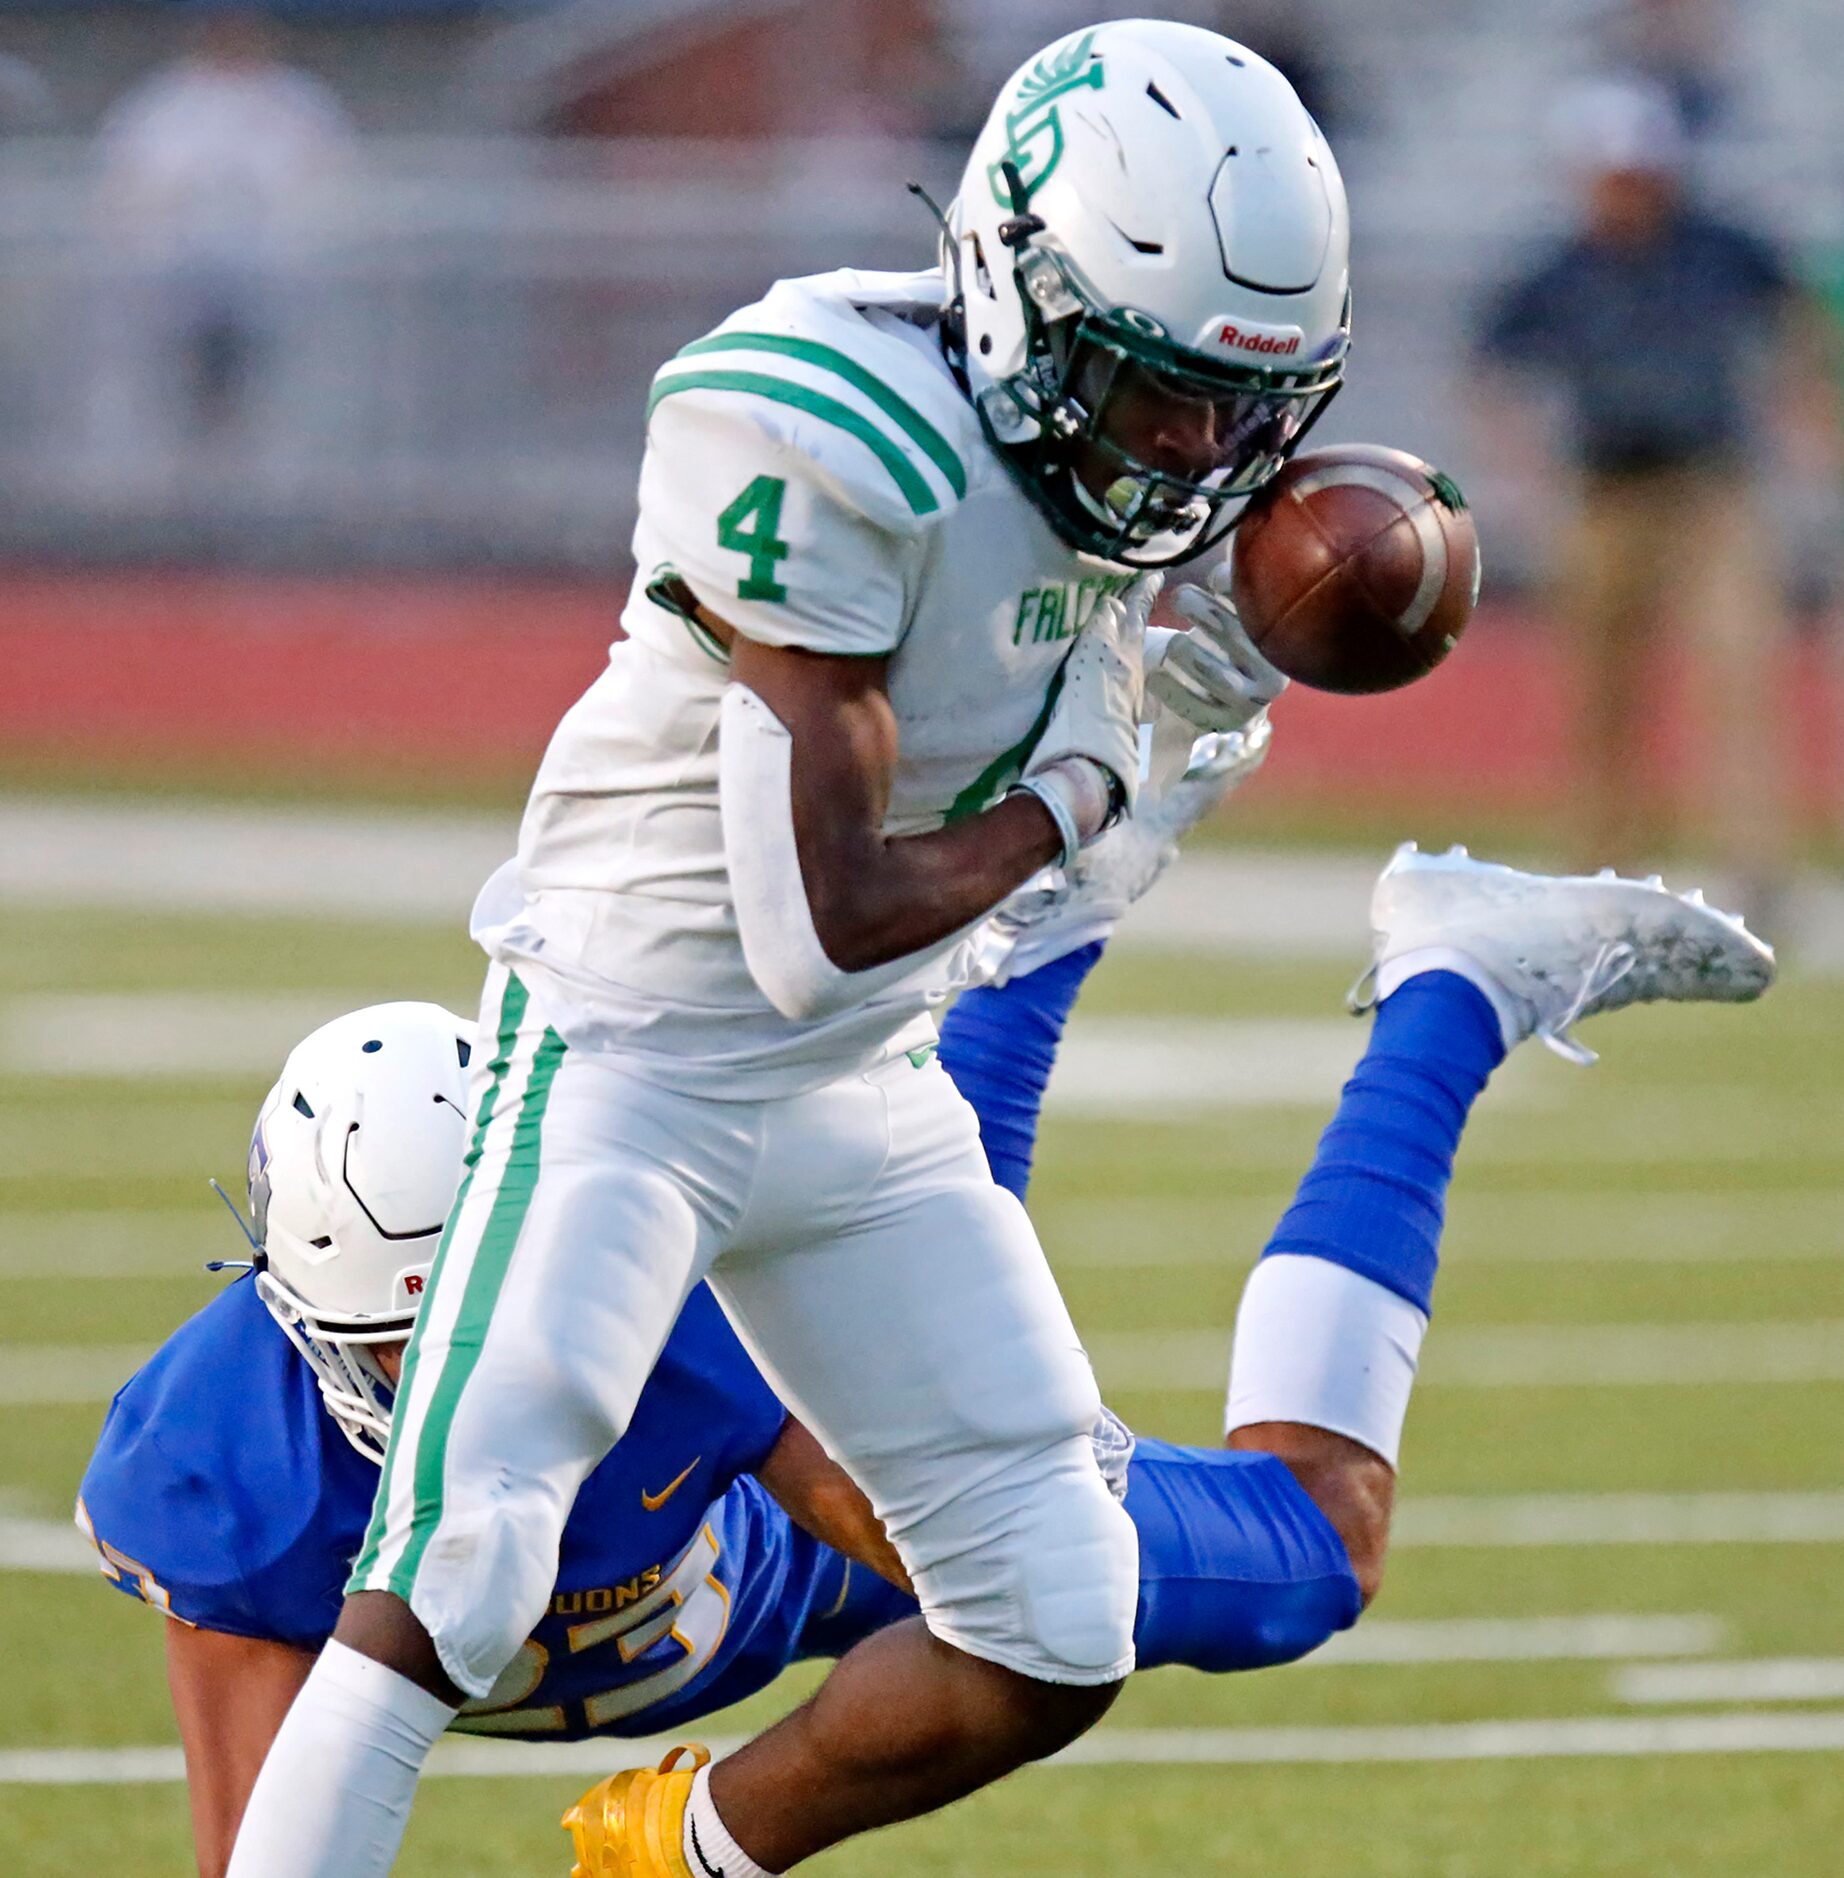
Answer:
(223, 1492)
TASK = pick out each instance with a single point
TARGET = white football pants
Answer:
(896, 1299)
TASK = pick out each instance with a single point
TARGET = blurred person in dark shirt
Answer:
(1668, 334)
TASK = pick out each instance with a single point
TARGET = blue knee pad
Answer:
(1239, 1569)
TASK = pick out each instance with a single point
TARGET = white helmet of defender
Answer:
(1149, 206)
(353, 1167)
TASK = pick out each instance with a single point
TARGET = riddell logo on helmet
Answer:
(413, 1284)
(1275, 342)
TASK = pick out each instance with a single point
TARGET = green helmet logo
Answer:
(1034, 126)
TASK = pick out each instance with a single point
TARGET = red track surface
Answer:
(429, 675)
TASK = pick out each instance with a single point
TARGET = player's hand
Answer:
(1212, 675)
(1059, 911)
(1097, 711)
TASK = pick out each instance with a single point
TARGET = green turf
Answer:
(1692, 1178)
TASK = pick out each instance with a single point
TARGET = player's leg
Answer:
(572, 1244)
(926, 1344)
(1731, 598)
(1614, 574)
(1471, 960)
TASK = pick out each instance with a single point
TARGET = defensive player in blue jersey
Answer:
(236, 1471)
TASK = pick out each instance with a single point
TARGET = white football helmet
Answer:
(353, 1167)
(1149, 219)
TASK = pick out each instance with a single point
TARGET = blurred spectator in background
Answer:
(26, 104)
(1289, 34)
(205, 165)
(1667, 334)
(1682, 47)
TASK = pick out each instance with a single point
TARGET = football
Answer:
(1356, 569)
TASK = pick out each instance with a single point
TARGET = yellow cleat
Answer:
(632, 1825)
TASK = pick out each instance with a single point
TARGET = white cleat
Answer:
(1564, 947)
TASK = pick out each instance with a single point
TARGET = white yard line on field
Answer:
(1616, 1227)
(45, 1545)
(1173, 1067)
(1524, 1356)
(129, 1243)
(1589, 1737)
(160, 1033)
(426, 865)
(1479, 1357)
(29, 1544)
(1592, 1519)
(1588, 1638)
(53, 1375)
(1705, 1226)
(1485, 1521)
(1763, 1679)
(324, 864)
(1109, 1067)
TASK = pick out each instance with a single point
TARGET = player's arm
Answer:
(229, 1695)
(1000, 1041)
(871, 898)
(825, 1502)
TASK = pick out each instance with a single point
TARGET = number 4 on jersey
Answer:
(750, 526)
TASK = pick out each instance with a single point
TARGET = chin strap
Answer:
(243, 1226)
(954, 314)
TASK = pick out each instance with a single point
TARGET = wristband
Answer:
(1083, 800)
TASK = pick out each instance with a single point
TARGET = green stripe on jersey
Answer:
(920, 497)
(829, 359)
(485, 1277)
(1008, 765)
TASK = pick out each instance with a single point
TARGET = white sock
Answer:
(709, 1849)
(1516, 1017)
(334, 1794)
(1327, 1347)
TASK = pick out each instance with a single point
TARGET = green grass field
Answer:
(1679, 1204)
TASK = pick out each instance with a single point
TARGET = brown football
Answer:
(1356, 569)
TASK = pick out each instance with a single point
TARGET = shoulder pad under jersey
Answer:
(812, 372)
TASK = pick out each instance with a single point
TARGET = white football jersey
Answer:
(814, 476)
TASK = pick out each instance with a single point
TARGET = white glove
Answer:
(1212, 676)
(1087, 762)
(1061, 910)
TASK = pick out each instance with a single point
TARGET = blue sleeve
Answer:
(160, 1529)
(220, 1490)
(999, 1044)
(1239, 1569)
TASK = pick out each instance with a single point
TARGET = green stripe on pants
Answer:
(511, 1015)
(485, 1276)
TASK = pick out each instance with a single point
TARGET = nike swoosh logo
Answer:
(710, 1870)
(652, 1502)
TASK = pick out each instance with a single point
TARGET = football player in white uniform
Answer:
(882, 663)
